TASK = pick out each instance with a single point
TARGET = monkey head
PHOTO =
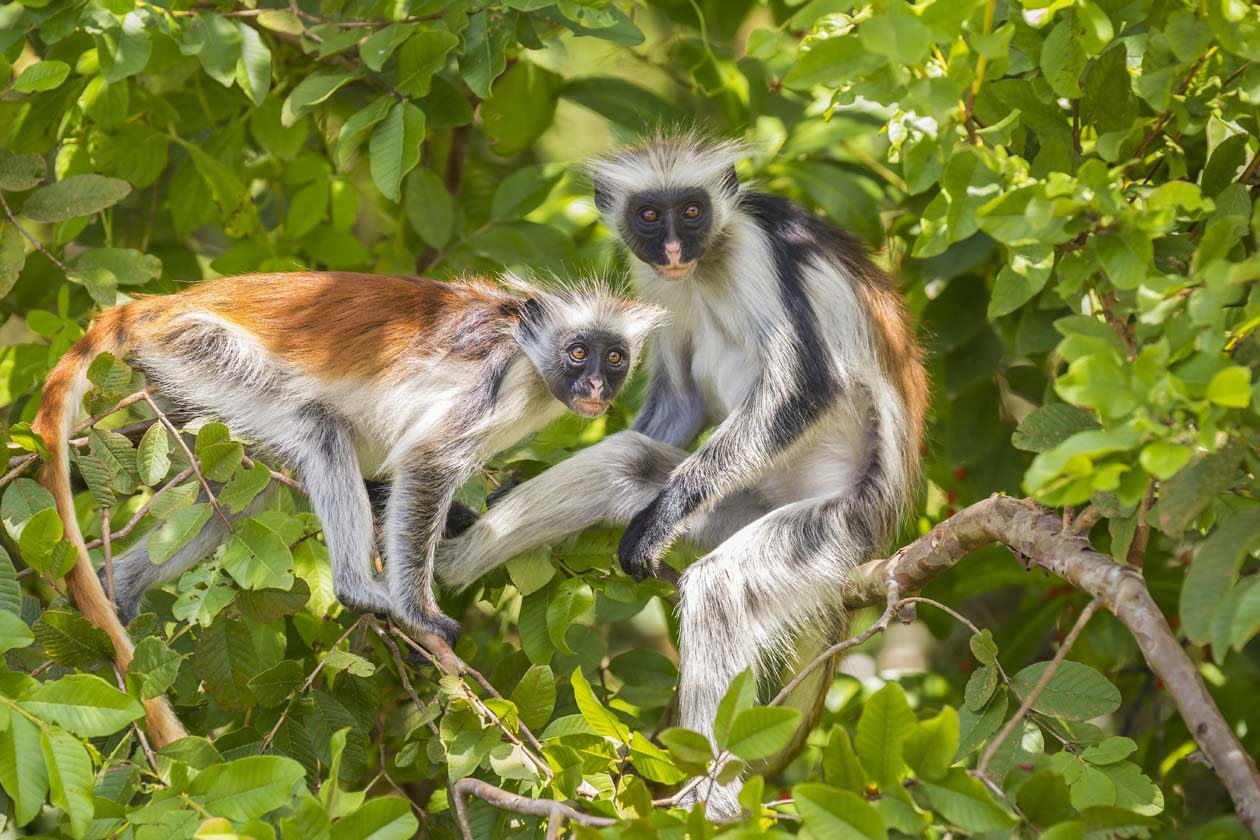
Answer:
(584, 341)
(668, 199)
(592, 371)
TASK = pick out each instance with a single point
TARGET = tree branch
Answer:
(500, 798)
(1036, 535)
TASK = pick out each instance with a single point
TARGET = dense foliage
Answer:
(1064, 188)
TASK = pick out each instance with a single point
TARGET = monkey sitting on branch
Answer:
(333, 372)
(798, 349)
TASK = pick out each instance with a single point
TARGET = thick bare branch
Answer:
(500, 798)
(1037, 536)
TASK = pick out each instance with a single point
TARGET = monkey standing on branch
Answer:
(798, 347)
(420, 379)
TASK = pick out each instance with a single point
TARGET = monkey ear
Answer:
(603, 196)
(730, 182)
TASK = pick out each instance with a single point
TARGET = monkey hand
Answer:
(645, 541)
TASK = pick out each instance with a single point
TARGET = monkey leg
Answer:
(329, 468)
(415, 517)
(135, 573)
(774, 585)
(607, 483)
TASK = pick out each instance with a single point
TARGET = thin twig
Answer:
(109, 556)
(144, 741)
(1086, 520)
(39, 246)
(448, 663)
(1163, 118)
(286, 480)
(192, 460)
(1035, 692)
(310, 680)
(401, 664)
(143, 511)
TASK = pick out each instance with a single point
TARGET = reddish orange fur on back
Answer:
(330, 323)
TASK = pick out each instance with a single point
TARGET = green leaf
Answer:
(253, 68)
(124, 51)
(14, 632)
(177, 532)
(258, 558)
(116, 453)
(535, 697)
(12, 255)
(381, 818)
(930, 748)
(431, 214)
(898, 37)
(600, 719)
(218, 454)
(225, 662)
(886, 721)
(69, 639)
(40, 537)
(983, 648)
(1134, 790)
(75, 196)
(10, 588)
(484, 56)
(524, 190)
(273, 686)
(153, 459)
(833, 814)
(216, 41)
(1246, 619)
(70, 778)
(1164, 459)
(395, 147)
(21, 172)
(311, 91)
(247, 788)
(244, 487)
(572, 598)
(1183, 497)
(1126, 256)
(22, 769)
(1109, 750)
(687, 747)
(154, 668)
(380, 45)
(129, 266)
(1075, 692)
(740, 696)
(652, 762)
(966, 802)
(85, 704)
(1231, 387)
(41, 76)
(840, 765)
(762, 731)
(421, 57)
(358, 128)
(1099, 382)
(1063, 60)
(521, 107)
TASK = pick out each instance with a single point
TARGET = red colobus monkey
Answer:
(334, 372)
(788, 339)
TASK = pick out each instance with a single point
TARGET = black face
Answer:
(668, 229)
(590, 371)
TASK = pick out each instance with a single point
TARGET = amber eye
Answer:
(615, 358)
(691, 211)
(578, 352)
(649, 214)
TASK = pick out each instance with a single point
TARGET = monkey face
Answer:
(590, 371)
(668, 229)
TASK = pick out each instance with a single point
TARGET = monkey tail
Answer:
(63, 392)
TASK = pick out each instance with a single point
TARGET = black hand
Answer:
(646, 538)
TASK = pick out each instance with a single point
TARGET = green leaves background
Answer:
(1064, 189)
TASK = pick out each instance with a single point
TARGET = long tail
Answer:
(63, 392)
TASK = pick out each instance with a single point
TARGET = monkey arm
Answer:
(771, 419)
(673, 412)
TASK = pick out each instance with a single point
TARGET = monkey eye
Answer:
(615, 357)
(649, 214)
(577, 352)
(692, 211)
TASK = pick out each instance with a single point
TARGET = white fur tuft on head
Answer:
(591, 304)
(668, 161)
